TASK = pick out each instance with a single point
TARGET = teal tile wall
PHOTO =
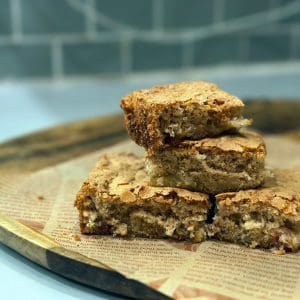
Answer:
(187, 13)
(64, 38)
(92, 58)
(156, 56)
(217, 50)
(238, 8)
(129, 13)
(260, 46)
(25, 61)
(5, 24)
(294, 18)
(54, 16)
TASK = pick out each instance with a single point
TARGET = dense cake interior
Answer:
(206, 171)
(211, 165)
(259, 224)
(171, 218)
(170, 162)
(192, 121)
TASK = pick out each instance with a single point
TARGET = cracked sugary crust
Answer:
(119, 180)
(123, 176)
(195, 101)
(282, 201)
(242, 142)
(281, 193)
(185, 92)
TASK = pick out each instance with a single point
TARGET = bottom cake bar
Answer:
(265, 218)
(117, 200)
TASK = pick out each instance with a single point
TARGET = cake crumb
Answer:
(279, 251)
(77, 238)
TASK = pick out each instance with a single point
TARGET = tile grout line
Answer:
(254, 69)
(187, 53)
(72, 38)
(294, 44)
(158, 15)
(107, 37)
(16, 20)
(218, 11)
(90, 18)
(244, 48)
(274, 3)
(57, 59)
(126, 55)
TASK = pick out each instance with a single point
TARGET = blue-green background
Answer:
(86, 38)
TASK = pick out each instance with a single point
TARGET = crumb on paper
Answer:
(77, 238)
(279, 251)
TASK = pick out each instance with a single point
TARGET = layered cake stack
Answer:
(203, 175)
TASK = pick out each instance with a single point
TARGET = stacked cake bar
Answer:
(203, 175)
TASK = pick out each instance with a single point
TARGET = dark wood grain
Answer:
(51, 146)
(277, 116)
(46, 252)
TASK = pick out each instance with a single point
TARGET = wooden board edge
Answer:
(51, 146)
(47, 253)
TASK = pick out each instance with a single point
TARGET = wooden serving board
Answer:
(34, 152)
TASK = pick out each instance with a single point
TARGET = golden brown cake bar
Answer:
(268, 217)
(164, 115)
(117, 200)
(211, 165)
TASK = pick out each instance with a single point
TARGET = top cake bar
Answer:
(165, 115)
